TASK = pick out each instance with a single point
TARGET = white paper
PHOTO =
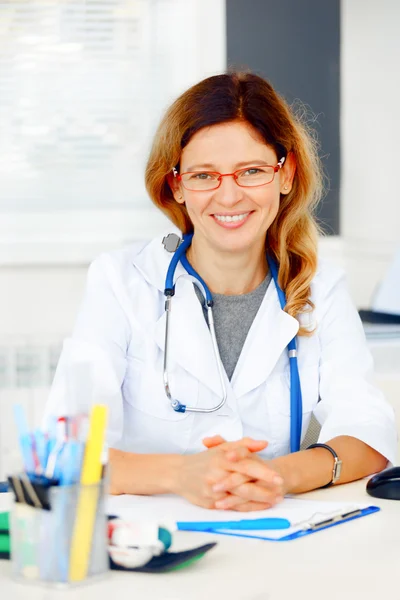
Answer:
(169, 509)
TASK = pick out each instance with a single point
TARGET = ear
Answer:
(176, 188)
(287, 174)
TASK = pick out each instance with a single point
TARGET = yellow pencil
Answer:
(87, 501)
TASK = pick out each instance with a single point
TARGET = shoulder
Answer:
(327, 278)
(142, 264)
(121, 260)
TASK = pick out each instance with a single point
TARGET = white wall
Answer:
(370, 133)
(42, 299)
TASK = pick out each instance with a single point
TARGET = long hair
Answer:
(293, 236)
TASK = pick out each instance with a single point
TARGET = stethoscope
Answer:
(173, 243)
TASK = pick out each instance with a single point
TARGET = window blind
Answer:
(82, 86)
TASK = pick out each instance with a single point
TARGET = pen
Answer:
(24, 438)
(41, 446)
(243, 524)
(53, 464)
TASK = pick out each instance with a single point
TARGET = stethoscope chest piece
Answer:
(171, 242)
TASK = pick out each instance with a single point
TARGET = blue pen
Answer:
(71, 462)
(24, 438)
(242, 525)
(27, 453)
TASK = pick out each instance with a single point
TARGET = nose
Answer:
(229, 192)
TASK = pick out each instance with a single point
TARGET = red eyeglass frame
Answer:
(276, 168)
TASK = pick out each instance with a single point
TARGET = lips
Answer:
(232, 221)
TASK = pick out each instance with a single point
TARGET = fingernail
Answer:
(221, 504)
(277, 480)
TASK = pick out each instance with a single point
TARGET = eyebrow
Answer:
(256, 162)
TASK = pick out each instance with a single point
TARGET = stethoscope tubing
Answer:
(296, 408)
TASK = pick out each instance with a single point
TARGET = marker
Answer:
(87, 502)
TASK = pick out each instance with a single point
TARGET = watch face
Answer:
(337, 469)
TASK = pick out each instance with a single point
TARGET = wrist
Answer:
(287, 471)
(172, 473)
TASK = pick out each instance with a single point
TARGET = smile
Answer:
(231, 218)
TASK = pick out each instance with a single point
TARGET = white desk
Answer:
(357, 560)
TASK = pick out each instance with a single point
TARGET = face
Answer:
(225, 148)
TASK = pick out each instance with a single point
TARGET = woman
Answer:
(231, 164)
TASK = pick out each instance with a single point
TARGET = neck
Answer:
(229, 273)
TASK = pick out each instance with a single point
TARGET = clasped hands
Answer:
(230, 475)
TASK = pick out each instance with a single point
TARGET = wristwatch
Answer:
(337, 467)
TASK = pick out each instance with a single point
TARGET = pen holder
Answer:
(64, 545)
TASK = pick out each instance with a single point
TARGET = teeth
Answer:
(228, 219)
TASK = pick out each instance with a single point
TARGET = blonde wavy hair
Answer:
(293, 236)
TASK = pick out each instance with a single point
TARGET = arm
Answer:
(310, 469)
(145, 474)
(92, 364)
(193, 476)
(356, 420)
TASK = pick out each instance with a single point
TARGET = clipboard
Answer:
(302, 529)
(178, 512)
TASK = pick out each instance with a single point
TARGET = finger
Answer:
(235, 454)
(250, 492)
(256, 493)
(230, 483)
(239, 453)
(252, 445)
(220, 468)
(257, 469)
(246, 442)
(250, 506)
(232, 502)
(215, 440)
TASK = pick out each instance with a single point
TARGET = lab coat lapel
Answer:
(269, 334)
(190, 342)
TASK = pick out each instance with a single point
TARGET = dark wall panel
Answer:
(295, 44)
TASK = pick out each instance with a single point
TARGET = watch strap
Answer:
(337, 467)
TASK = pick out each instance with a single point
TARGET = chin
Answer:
(234, 243)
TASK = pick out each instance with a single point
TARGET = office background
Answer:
(82, 86)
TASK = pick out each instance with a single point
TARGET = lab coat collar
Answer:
(269, 334)
(153, 261)
(190, 342)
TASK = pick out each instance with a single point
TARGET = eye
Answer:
(252, 171)
(201, 176)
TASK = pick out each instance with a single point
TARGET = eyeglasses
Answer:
(204, 181)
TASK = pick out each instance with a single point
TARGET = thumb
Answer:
(215, 440)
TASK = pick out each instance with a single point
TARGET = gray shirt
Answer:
(233, 316)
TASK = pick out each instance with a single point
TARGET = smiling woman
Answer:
(214, 130)
(210, 399)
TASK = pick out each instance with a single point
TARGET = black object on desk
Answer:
(381, 318)
(385, 484)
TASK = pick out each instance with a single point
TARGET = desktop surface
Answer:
(356, 560)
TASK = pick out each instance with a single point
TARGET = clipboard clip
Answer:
(314, 526)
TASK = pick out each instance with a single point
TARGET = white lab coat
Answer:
(119, 340)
